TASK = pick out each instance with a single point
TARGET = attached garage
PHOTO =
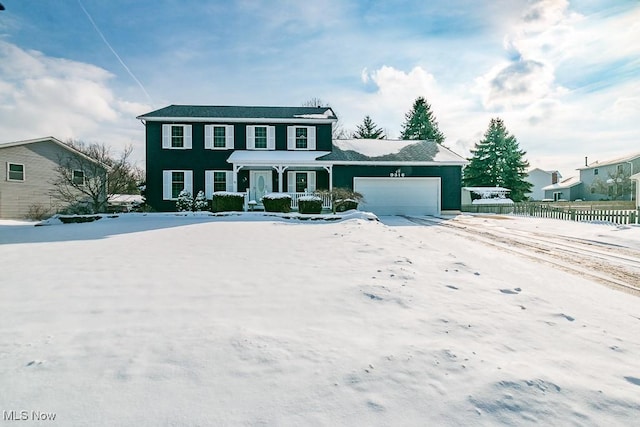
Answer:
(399, 195)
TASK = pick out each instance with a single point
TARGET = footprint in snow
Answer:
(511, 291)
(452, 287)
(372, 296)
(633, 380)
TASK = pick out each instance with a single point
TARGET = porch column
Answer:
(329, 170)
(280, 169)
(236, 168)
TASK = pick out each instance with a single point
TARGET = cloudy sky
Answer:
(563, 74)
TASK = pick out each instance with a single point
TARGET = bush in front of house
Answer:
(184, 202)
(309, 205)
(225, 201)
(277, 202)
(346, 205)
(200, 203)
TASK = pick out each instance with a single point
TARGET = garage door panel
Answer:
(399, 196)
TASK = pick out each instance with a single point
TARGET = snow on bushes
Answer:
(224, 201)
(309, 205)
(200, 203)
(184, 202)
(277, 202)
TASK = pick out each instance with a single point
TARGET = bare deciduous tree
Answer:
(338, 131)
(94, 174)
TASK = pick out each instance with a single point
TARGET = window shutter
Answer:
(208, 137)
(166, 136)
(251, 138)
(291, 182)
(229, 180)
(208, 184)
(311, 138)
(271, 137)
(166, 185)
(229, 137)
(291, 137)
(311, 182)
(188, 181)
(187, 136)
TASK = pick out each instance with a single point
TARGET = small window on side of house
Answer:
(15, 172)
(78, 177)
(595, 171)
(620, 169)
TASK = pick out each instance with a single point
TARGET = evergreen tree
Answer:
(184, 202)
(420, 123)
(368, 130)
(497, 161)
(200, 203)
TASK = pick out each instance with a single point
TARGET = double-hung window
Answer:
(217, 180)
(174, 181)
(261, 137)
(218, 137)
(15, 172)
(176, 137)
(301, 138)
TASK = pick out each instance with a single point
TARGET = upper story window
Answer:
(176, 137)
(15, 172)
(78, 177)
(620, 169)
(218, 137)
(595, 171)
(301, 138)
(261, 138)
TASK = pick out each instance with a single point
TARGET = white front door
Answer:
(260, 184)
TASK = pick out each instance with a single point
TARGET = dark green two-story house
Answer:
(260, 150)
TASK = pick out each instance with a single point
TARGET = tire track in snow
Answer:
(613, 266)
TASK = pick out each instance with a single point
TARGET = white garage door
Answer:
(399, 196)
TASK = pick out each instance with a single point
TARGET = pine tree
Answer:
(200, 203)
(368, 130)
(184, 202)
(498, 161)
(420, 123)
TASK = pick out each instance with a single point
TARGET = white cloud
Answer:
(42, 96)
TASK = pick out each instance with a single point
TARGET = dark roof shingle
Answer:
(240, 112)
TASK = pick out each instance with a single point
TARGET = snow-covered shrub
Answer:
(346, 205)
(224, 201)
(277, 202)
(184, 202)
(309, 205)
(200, 203)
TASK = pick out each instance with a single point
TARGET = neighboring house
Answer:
(569, 189)
(258, 150)
(609, 179)
(540, 178)
(636, 179)
(30, 171)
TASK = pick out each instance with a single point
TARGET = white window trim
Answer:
(209, 135)
(166, 137)
(251, 137)
(167, 182)
(24, 172)
(291, 181)
(208, 182)
(291, 138)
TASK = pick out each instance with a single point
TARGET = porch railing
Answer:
(295, 197)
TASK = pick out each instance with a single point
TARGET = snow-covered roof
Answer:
(390, 150)
(623, 159)
(480, 190)
(270, 157)
(567, 183)
(635, 177)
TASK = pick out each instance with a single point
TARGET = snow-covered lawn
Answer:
(252, 320)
